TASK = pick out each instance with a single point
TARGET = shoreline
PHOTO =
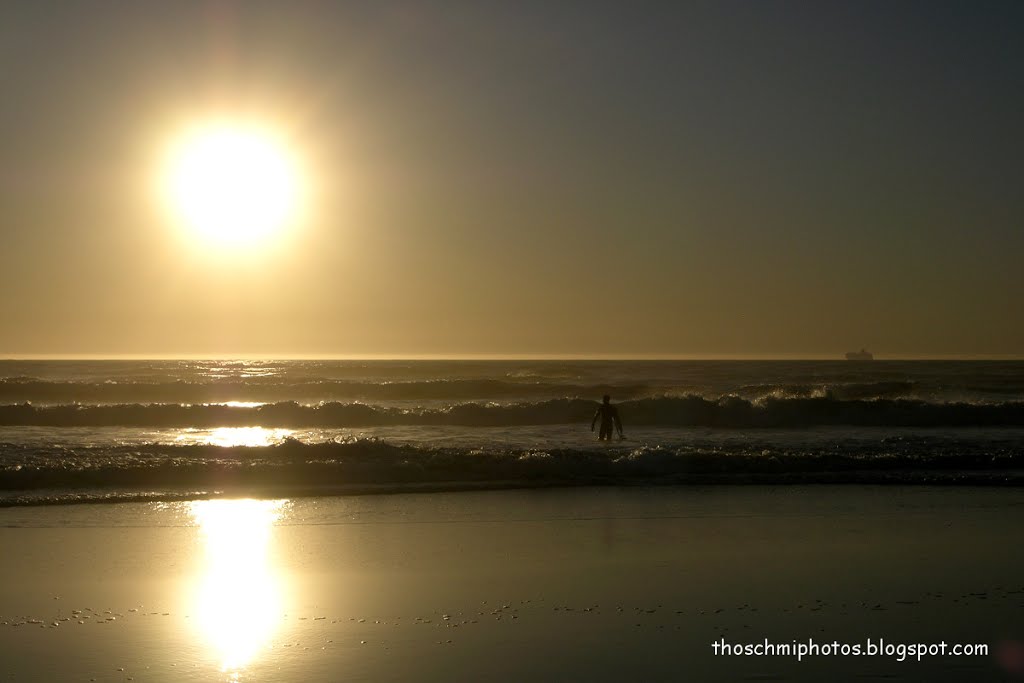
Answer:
(910, 479)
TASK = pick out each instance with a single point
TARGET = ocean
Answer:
(95, 431)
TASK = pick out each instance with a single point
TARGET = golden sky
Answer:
(521, 178)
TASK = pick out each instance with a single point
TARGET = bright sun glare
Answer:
(232, 183)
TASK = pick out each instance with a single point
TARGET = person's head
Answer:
(607, 398)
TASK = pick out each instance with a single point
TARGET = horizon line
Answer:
(503, 357)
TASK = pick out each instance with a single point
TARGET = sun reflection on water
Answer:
(229, 437)
(239, 598)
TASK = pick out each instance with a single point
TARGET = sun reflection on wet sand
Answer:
(238, 602)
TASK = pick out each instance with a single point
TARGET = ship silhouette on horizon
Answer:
(863, 354)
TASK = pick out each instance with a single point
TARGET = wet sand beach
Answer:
(585, 584)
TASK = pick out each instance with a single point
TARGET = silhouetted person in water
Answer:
(609, 419)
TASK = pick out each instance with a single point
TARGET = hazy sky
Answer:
(587, 177)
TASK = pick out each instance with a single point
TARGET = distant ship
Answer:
(863, 354)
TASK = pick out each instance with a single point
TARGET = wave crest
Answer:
(356, 464)
(686, 411)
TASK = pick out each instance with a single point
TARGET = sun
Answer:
(232, 183)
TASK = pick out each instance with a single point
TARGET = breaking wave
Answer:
(162, 471)
(687, 411)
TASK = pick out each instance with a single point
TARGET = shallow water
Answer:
(118, 430)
